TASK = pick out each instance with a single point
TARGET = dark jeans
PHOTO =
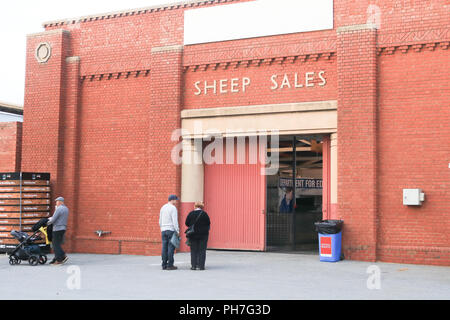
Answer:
(57, 240)
(198, 252)
(167, 249)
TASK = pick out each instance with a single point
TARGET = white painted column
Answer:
(192, 175)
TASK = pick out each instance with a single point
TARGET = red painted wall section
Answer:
(235, 202)
(10, 146)
(357, 165)
(414, 117)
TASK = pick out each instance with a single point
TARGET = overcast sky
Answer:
(21, 17)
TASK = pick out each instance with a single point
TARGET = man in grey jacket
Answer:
(168, 222)
(59, 222)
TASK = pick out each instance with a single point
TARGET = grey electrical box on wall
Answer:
(413, 197)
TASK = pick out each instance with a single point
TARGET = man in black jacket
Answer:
(199, 239)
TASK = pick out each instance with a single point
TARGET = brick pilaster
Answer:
(164, 176)
(357, 143)
(43, 106)
(68, 175)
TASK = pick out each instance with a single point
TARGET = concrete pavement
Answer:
(229, 275)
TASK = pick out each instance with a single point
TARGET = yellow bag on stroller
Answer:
(44, 231)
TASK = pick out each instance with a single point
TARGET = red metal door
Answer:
(235, 199)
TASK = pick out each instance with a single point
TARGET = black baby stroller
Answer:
(27, 249)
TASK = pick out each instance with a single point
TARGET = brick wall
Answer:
(164, 176)
(414, 117)
(399, 20)
(357, 147)
(113, 165)
(101, 123)
(10, 146)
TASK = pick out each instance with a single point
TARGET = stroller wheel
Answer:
(13, 260)
(42, 259)
(33, 260)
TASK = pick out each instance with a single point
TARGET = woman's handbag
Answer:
(175, 240)
(190, 231)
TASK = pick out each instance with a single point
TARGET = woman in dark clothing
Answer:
(198, 240)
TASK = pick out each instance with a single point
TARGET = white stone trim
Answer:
(167, 48)
(72, 59)
(47, 33)
(259, 109)
(317, 117)
(357, 27)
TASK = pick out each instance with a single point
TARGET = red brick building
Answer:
(10, 137)
(362, 107)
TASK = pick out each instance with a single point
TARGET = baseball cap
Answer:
(173, 197)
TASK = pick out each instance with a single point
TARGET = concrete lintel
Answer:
(167, 48)
(259, 109)
(230, 134)
(48, 33)
(357, 27)
(72, 59)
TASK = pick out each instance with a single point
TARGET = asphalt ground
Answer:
(229, 275)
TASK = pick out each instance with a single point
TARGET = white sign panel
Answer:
(256, 19)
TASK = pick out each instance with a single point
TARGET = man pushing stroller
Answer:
(59, 222)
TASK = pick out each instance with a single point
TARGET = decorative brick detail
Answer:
(225, 65)
(264, 62)
(418, 47)
(413, 37)
(116, 75)
(314, 57)
(389, 50)
(444, 45)
(430, 46)
(403, 49)
(263, 48)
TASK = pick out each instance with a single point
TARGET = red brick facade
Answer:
(10, 146)
(100, 112)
